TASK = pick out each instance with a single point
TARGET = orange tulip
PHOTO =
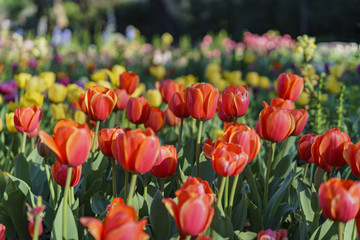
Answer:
(2, 232)
(269, 234)
(235, 100)
(136, 150)
(138, 110)
(168, 88)
(339, 199)
(171, 119)
(304, 147)
(166, 162)
(228, 159)
(300, 116)
(279, 102)
(59, 172)
(221, 114)
(105, 138)
(327, 149)
(178, 106)
(71, 142)
(26, 119)
(276, 124)
(129, 81)
(121, 223)
(122, 99)
(201, 100)
(290, 86)
(352, 157)
(193, 213)
(114, 202)
(99, 102)
(156, 119)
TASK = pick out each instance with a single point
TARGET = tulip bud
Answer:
(290, 86)
(59, 172)
(156, 119)
(300, 116)
(122, 99)
(26, 119)
(129, 81)
(171, 119)
(138, 110)
(10, 122)
(43, 150)
(304, 147)
(178, 106)
(269, 234)
(166, 162)
(235, 100)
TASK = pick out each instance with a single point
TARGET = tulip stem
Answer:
(94, 140)
(23, 143)
(221, 191)
(198, 149)
(162, 186)
(180, 134)
(132, 188)
(270, 159)
(234, 122)
(305, 171)
(37, 219)
(51, 187)
(123, 118)
(65, 198)
(145, 185)
(32, 143)
(71, 197)
(332, 173)
(232, 195)
(9, 151)
(341, 228)
(226, 195)
(188, 237)
(126, 184)
(113, 177)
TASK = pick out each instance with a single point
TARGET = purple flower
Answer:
(32, 63)
(64, 81)
(8, 87)
(14, 65)
(11, 97)
(80, 83)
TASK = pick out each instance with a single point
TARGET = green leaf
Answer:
(186, 156)
(325, 231)
(221, 227)
(159, 218)
(246, 235)
(21, 169)
(254, 214)
(37, 172)
(349, 228)
(305, 201)
(253, 187)
(206, 171)
(98, 203)
(24, 188)
(239, 215)
(2, 185)
(140, 205)
(282, 168)
(71, 230)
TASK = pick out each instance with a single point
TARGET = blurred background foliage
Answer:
(327, 20)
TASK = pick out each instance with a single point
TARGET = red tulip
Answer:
(258, 129)
(276, 124)
(2, 232)
(71, 142)
(121, 223)
(32, 213)
(193, 213)
(178, 106)
(201, 100)
(304, 147)
(129, 81)
(221, 114)
(352, 157)
(34, 133)
(114, 202)
(228, 159)
(26, 119)
(59, 173)
(138, 110)
(235, 100)
(279, 102)
(290, 86)
(105, 138)
(156, 119)
(327, 149)
(339, 199)
(166, 162)
(244, 136)
(300, 116)
(122, 99)
(136, 150)
(99, 102)
(168, 88)
(269, 234)
(171, 119)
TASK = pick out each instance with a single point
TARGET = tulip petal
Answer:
(78, 147)
(94, 225)
(50, 142)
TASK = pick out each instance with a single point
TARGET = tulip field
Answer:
(216, 139)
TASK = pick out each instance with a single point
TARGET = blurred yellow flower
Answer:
(233, 77)
(212, 71)
(187, 80)
(74, 92)
(13, 106)
(219, 133)
(104, 83)
(21, 79)
(57, 93)
(1, 99)
(90, 84)
(10, 122)
(252, 78)
(324, 98)
(166, 39)
(220, 84)
(158, 72)
(306, 46)
(49, 79)
(332, 85)
(1, 125)
(35, 84)
(99, 75)
(58, 111)
(303, 99)
(117, 70)
(154, 97)
(32, 98)
(264, 82)
(249, 57)
(80, 117)
(141, 88)
(336, 70)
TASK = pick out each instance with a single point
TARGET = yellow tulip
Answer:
(117, 70)
(211, 70)
(249, 57)
(154, 97)
(336, 70)
(32, 98)
(74, 92)
(141, 88)
(49, 79)
(303, 99)
(90, 84)
(80, 117)
(58, 111)
(21, 79)
(220, 84)
(13, 106)
(1, 125)
(99, 75)
(252, 78)
(57, 93)
(264, 82)
(332, 85)
(158, 72)
(35, 84)
(104, 83)
(10, 122)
